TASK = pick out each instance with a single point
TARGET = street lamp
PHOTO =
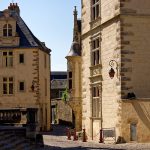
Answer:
(112, 71)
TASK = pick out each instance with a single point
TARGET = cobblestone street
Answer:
(56, 140)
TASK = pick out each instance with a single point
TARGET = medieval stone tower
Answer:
(115, 68)
(74, 73)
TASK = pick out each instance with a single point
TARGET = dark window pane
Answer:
(10, 88)
(11, 79)
(4, 53)
(97, 43)
(93, 2)
(21, 58)
(4, 32)
(70, 74)
(10, 53)
(21, 86)
(9, 26)
(97, 92)
(9, 32)
(94, 13)
(94, 92)
(70, 84)
(4, 88)
(4, 79)
(5, 26)
(6, 62)
(94, 59)
(97, 57)
(97, 11)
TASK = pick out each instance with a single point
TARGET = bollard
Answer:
(101, 136)
(68, 134)
(75, 138)
(84, 136)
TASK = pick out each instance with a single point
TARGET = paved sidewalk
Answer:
(56, 140)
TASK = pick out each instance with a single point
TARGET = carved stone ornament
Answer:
(6, 13)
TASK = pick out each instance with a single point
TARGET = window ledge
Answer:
(95, 66)
(95, 118)
(98, 75)
(5, 95)
(95, 20)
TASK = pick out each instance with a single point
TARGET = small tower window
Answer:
(7, 30)
(70, 80)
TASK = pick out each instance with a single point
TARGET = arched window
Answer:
(7, 30)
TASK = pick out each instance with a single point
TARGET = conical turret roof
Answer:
(75, 49)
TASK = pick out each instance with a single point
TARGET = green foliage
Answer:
(65, 95)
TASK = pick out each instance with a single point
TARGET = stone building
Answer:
(24, 72)
(115, 68)
(74, 73)
(61, 111)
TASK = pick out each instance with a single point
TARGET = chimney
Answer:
(14, 7)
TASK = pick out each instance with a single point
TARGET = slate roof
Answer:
(75, 49)
(59, 84)
(58, 75)
(27, 38)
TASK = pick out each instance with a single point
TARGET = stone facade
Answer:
(121, 28)
(61, 112)
(24, 68)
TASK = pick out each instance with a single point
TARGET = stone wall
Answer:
(135, 7)
(31, 70)
(109, 9)
(124, 30)
(136, 111)
(63, 111)
(44, 87)
(110, 87)
(86, 96)
(135, 53)
(86, 16)
(22, 73)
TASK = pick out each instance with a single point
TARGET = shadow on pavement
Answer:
(78, 148)
(60, 130)
(57, 130)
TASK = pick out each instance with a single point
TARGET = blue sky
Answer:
(51, 21)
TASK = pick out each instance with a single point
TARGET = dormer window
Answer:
(7, 30)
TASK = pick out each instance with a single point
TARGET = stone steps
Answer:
(12, 141)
